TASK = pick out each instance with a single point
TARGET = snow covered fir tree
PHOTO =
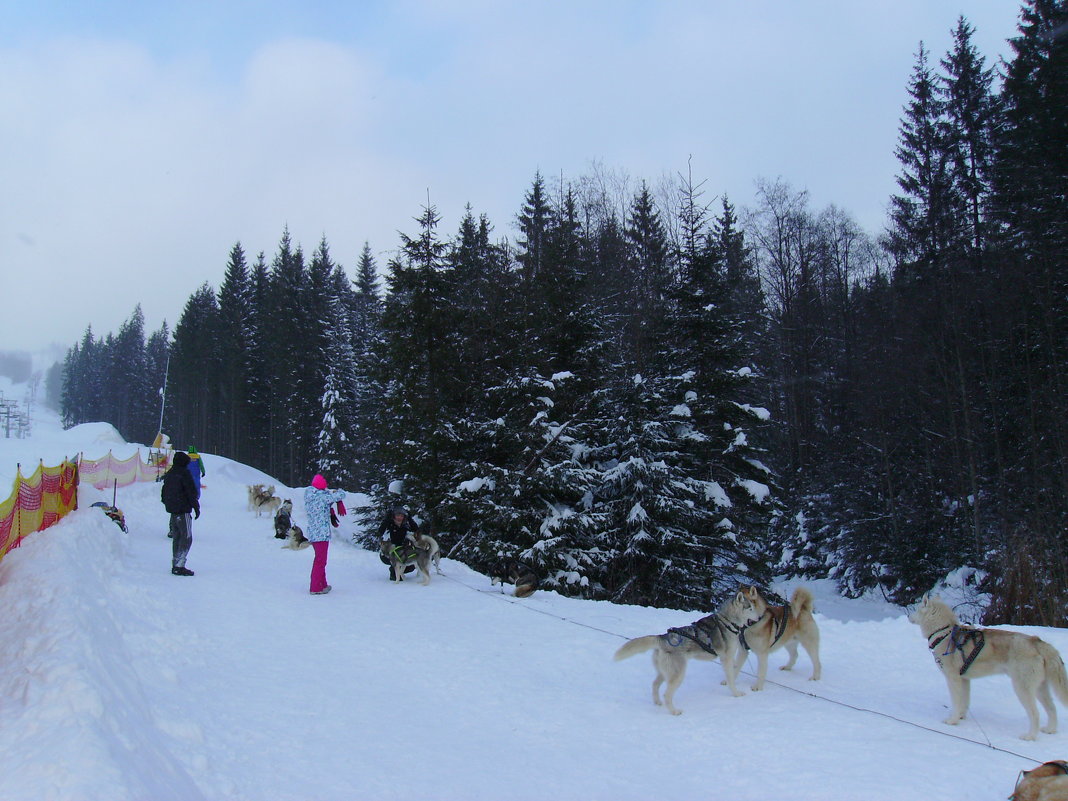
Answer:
(650, 394)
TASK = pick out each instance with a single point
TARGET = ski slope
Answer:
(121, 682)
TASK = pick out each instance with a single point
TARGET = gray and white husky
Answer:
(964, 653)
(419, 550)
(712, 637)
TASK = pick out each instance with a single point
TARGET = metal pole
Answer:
(163, 392)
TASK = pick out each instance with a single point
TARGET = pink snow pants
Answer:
(318, 571)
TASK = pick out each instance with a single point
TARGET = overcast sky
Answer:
(140, 140)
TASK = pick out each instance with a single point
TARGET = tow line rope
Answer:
(987, 744)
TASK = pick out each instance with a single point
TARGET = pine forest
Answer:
(650, 394)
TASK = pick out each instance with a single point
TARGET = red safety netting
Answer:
(37, 502)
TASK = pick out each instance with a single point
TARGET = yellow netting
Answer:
(37, 502)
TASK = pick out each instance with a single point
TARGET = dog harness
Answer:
(702, 632)
(959, 637)
(401, 554)
(780, 627)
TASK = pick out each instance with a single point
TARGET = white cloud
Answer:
(128, 175)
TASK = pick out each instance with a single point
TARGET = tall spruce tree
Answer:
(365, 325)
(969, 127)
(416, 382)
(235, 313)
(335, 455)
(194, 369)
(922, 217)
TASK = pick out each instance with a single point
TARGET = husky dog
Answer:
(964, 653)
(266, 502)
(780, 627)
(295, 539)
(425, 542)
(255, 491)
(283, 519)
(401, 556)
(1047, 782)
(512, 571)
(712, 637)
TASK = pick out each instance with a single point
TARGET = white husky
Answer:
(964, 653)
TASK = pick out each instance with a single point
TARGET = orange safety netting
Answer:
(37, 502)
(109, 471)
(51, 492)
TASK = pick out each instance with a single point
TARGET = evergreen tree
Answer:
(922, 218)
(1029, 581)
(293, 349)
(970, 123)
(673, 532)
(334, 451)
(127, 375)
(235, 311)
(533, 220)
(194, 366)
(258, 366)
(414, 357)
(83, 380)
(366, 327)
(651, 280)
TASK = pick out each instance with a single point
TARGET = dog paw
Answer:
(676, 711)
(1050, 730)
(756, 688)
(1028, 736)
(951, 721)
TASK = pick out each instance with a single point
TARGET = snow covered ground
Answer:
(123, 682)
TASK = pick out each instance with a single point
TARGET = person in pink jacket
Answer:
(317, 501)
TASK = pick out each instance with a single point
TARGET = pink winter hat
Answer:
(319, 482)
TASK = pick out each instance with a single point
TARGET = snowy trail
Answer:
(124, 682)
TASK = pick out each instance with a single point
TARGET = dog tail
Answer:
(525, 590)
(801, 601)
(638, 645)
(1055, 674)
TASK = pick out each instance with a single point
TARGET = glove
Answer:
(333, 519)
(196, 514)
(341, 510)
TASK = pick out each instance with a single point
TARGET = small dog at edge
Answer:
(295, 539)
(1047, 782)
(512, 571)
(964, 653)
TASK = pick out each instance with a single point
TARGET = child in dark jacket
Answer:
(180, 498)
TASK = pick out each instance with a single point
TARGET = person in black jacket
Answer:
(179, 496)
(395, 527)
